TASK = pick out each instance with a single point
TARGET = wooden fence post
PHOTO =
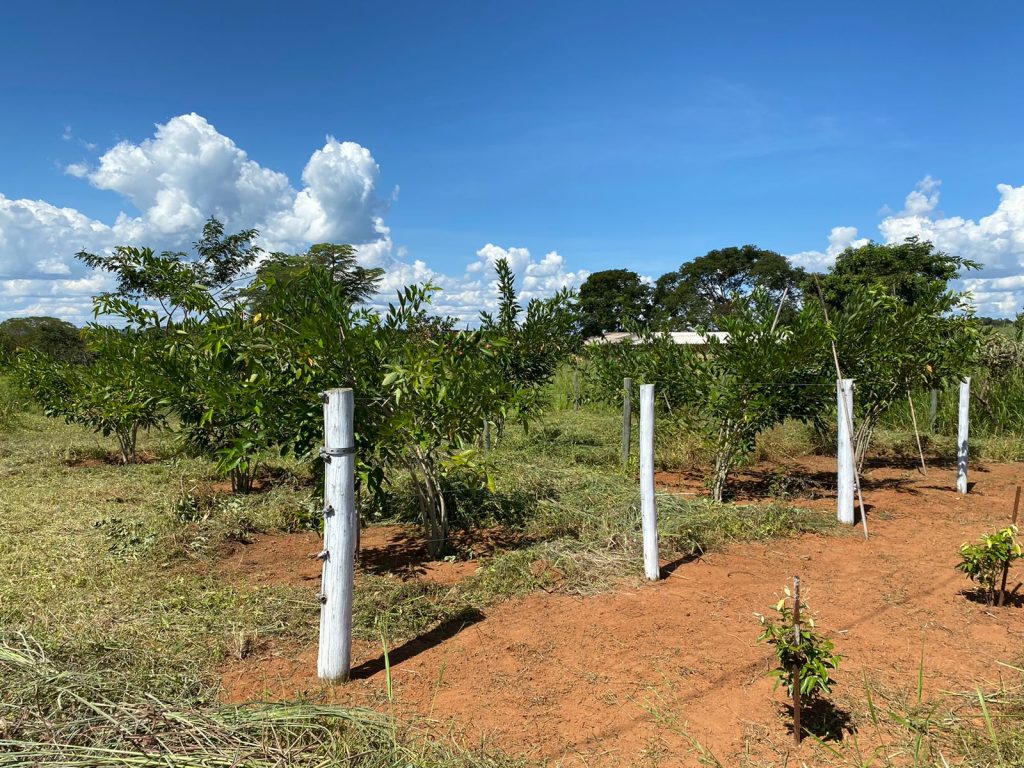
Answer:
(844, 451)
(341, 525)
(797, 733)
(648, 502)
(627, 419)
(575, 390)
(963, 425)
(933, 409)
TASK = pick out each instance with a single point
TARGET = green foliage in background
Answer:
(613, 300)
(111, 394)
(45, 336)
(703, 291)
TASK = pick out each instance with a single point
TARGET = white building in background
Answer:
(691, 338)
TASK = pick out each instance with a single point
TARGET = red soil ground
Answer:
(613, 679)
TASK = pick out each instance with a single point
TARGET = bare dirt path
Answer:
(615, 679)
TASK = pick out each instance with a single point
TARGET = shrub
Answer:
(985, 561)
(814, 655)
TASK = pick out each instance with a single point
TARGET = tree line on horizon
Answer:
(702, 292)
(696, 296)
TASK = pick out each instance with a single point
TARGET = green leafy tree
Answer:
(611, 300)
(110, 394)
(57, 339)
(205, 367)
(891, 346)
(909, 271)
(283, 271)
(704, 290)
(728, 390)
(532, 343)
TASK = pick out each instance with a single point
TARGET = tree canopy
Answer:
(48, 336)
(285, 270)
(703, 291)
(909, 271)
(612, 299)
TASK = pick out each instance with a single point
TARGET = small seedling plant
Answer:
(985, 562)
(802, 654)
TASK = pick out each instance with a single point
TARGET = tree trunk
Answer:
(126, 441)
(243, 480)
(433, 509)
(723, 463)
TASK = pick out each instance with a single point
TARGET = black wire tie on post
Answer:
(323, 554)
(328, 453)
(321, 597)
(327, 511)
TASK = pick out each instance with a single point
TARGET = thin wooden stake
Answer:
(913, 418)
(334, 656)
(575, 390)
(778, 311)
(1006, 566)
(648, 502)
(627, 419)
(796, 666)
(933, 409)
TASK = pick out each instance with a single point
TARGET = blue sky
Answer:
(608, 134)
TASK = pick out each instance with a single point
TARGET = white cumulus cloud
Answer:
(188, 171)
(996, 241)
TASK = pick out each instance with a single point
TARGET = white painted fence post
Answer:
(648, 502)
(963, 425)
(627, 419)
(844, 445)
(341, 526)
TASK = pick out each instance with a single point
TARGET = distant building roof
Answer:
(692, 338)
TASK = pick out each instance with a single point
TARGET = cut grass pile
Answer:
(55, 716)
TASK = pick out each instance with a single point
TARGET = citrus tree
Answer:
(987, 560)
(891, 346)
(111, 394)
(730, 389)
(529, 345)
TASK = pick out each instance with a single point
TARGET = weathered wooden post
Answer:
(1006, 566)
(648, 502)
(797, 734)
(933, 409)
(844, 451)
(334, 657)
(963, 424)
(627, 419)
(487, 434)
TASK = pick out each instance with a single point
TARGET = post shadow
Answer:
(439, 634)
